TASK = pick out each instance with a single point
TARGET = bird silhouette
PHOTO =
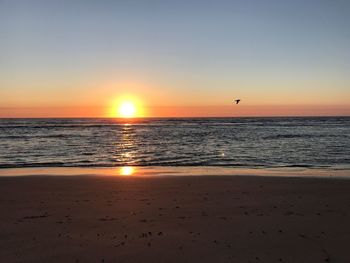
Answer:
(237, 101)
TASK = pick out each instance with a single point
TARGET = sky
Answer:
(176, 58)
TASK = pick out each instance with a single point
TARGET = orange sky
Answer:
(190, 111)
(98, 98)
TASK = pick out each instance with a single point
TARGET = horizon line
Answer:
(187, 117)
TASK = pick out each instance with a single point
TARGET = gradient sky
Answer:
(179, 58)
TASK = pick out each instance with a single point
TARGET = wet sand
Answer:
(174, 219)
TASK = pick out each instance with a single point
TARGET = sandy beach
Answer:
(174, 219)
(174, 131)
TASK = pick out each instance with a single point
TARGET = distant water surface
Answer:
(322, 142)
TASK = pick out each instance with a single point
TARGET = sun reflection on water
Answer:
(126, 145)
(126, 170)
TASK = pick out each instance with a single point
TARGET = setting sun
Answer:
(127, 109)
(126, 106)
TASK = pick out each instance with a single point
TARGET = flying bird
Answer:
(237, 101)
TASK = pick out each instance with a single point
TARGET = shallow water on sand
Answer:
(157, 171)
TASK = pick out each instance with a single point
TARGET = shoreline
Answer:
(161, 171)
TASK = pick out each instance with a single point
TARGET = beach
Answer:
(100, 218)
(174, 131)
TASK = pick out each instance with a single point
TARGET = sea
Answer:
(306, 142)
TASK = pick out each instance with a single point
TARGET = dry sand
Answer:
(174, 219)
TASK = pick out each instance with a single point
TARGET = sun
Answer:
(127, 109)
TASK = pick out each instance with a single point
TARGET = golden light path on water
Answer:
(127, 145)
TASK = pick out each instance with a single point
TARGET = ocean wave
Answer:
(231, 142)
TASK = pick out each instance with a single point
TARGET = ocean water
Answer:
(310, 142)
